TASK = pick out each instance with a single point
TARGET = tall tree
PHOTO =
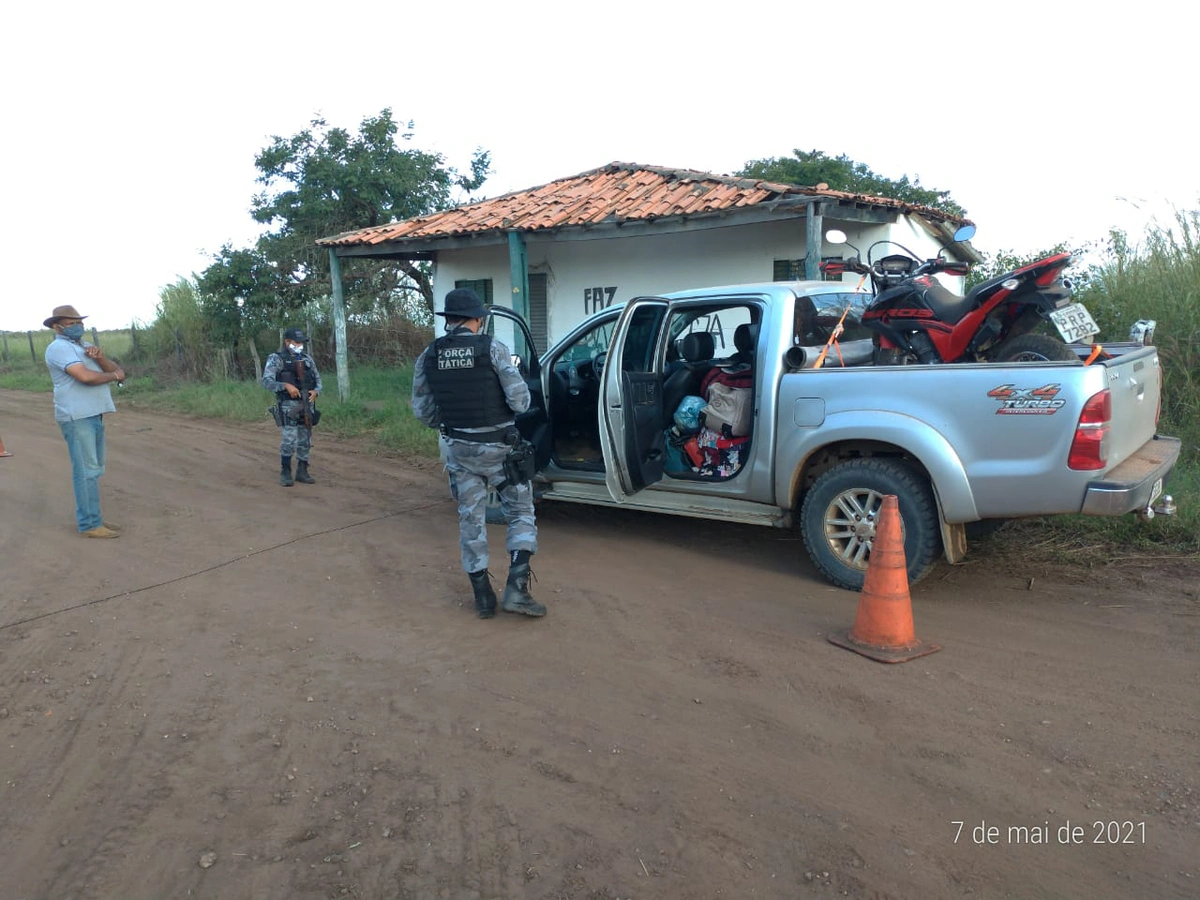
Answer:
(844, 174)
(323, 181)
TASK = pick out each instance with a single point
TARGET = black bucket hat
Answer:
(464, 303)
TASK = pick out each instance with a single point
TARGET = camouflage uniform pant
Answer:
(473, 468)
(295, 439)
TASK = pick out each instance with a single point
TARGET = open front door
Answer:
(534, 423)
(631, 401)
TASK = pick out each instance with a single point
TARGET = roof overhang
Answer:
(425, 247)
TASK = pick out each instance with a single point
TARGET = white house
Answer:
(560, 251)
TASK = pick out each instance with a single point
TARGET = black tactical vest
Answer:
(464, 382)
(287, 374)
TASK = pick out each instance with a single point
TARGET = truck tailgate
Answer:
(1135, 384)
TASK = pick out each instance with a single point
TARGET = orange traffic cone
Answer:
(3, 452)
(883, 628)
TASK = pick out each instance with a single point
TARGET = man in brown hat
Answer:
(82, 374)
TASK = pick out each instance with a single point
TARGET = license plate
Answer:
(1074, 323)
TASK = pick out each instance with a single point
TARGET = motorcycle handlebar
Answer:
(938, 264)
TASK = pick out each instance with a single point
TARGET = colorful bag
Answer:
(722, 456)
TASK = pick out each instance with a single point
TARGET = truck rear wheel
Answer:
(837, 519)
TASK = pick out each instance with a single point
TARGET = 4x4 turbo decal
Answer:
(1015, 401)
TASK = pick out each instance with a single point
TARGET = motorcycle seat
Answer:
(949, 306)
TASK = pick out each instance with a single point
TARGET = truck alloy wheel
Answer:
(837, 518)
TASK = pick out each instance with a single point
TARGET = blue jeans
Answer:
(85, 441)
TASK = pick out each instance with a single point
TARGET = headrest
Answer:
(697, 346)
(806, 320)
(745, 338)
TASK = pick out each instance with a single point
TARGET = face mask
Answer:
(73, 332)
(296, 348)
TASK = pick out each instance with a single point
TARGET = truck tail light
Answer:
(1089, 450)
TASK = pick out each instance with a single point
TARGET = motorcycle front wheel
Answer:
(1034, 348)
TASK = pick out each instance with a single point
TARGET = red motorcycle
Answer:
(917, 319)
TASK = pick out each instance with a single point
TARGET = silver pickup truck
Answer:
(957, 444)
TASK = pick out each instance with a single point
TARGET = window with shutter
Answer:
(538, 320)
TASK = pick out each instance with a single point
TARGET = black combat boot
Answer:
(285, 471)
(302, 472)
(485, 597)
(517, 598)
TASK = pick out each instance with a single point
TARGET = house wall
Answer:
(584, 276)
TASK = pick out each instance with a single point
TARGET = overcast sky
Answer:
(130, 129)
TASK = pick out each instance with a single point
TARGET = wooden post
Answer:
(4, 335)
(95, 336)
(813, 240)
(133, 347)
(339, 326)
(518, 272)
(32, 353)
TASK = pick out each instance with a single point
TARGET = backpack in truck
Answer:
(730, 410)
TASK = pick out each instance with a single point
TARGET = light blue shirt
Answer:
(72, 398)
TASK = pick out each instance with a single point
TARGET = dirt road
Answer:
(259, 692)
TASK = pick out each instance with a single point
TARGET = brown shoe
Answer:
(100, 532)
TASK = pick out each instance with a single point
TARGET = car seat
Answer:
(697, 351)
(745, 340)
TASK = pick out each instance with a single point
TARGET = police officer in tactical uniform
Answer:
(292, 376)
(465, 385)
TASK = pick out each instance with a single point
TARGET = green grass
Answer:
(377, 410)
(26, 380)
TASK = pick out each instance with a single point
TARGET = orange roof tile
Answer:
(612, 194)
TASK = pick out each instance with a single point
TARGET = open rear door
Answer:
(631, 400)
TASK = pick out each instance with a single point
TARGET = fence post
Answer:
(4, 335)
(95, 336)
(133, 347)
(32, 354)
